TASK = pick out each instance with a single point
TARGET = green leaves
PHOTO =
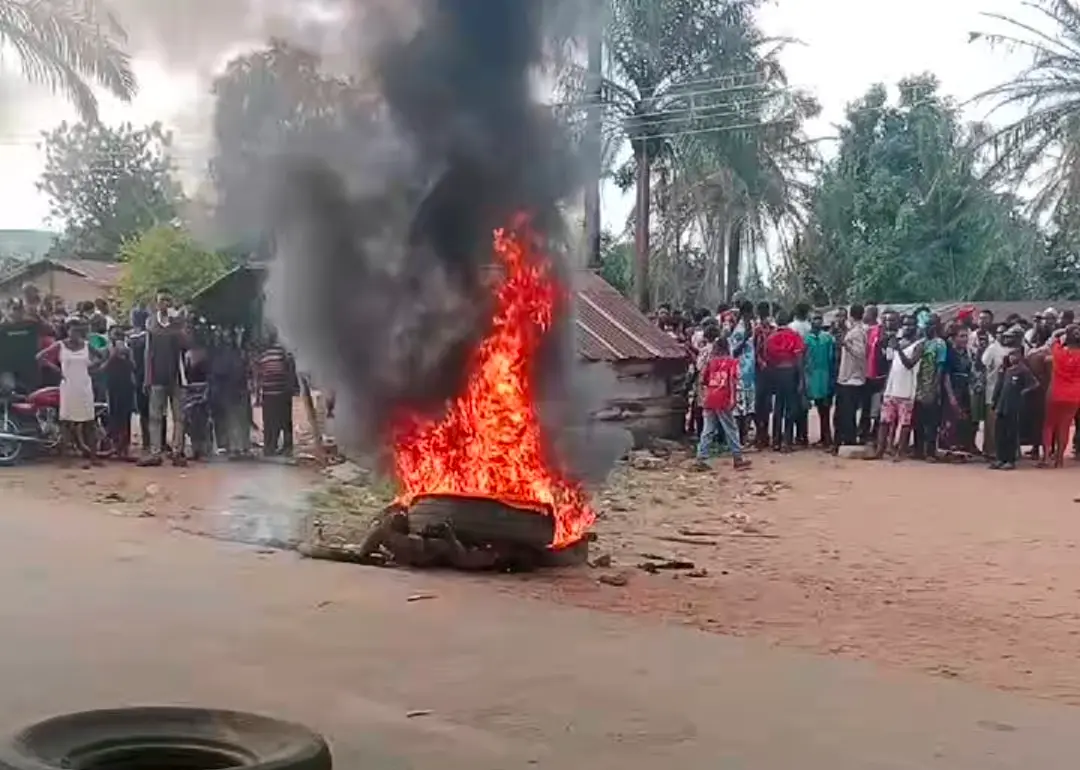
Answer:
(1041, 148)
(64, 43)
(265, 102)
(166, 256)
(107, 185)
(901, 215)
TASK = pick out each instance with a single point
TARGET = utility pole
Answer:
(594, 137)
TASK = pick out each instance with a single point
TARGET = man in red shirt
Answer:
(784, 350)
(720, 378)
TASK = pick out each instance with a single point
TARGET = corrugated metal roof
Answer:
(611, 328)
(1001, 309)
(608, 327)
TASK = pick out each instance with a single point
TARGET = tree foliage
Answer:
(167, 256)
(107, 185)
(63, 44)
(901, 213)
(1040, 147)
(699, 93)
(267, 102)
(617, 262)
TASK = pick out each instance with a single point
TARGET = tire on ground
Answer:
(164, 738)
(480, 519)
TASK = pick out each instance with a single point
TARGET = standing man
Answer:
(898, 399)
(276, 373)
(763, 395)
(801, 325)
(820, 382)
(850, 380)
(993, 359)
(928, 390)
(876, 372)
(162, 376)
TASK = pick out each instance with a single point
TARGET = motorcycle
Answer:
(31, 423)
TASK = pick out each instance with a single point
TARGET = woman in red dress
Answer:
(1063, 395)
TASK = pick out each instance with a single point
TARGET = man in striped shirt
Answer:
(276, 373)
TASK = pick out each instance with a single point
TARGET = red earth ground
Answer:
(951, 570)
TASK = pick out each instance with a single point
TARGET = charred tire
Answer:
(164, 738)
(478, 520)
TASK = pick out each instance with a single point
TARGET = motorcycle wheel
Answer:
(103, 443)
(10, 451)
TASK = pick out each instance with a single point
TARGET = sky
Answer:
(846, 45)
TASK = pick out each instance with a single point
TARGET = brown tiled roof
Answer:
(611, 328)
(105, 273)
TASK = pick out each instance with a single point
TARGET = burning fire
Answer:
(489, 443)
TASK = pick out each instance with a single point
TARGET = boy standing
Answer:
(720, 378)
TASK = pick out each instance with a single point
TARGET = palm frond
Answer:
(1041, 149)
(64, 43)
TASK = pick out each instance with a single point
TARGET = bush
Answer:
(166, 256)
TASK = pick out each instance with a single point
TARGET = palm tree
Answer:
(63, 44)
(692, 87)
(1040, 147)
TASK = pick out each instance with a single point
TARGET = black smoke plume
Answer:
(380, 281)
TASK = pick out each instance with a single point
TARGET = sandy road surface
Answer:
(953, 571)
(102, 610)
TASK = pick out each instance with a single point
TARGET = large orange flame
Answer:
(489, 443)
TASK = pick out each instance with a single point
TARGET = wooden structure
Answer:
(609, 331)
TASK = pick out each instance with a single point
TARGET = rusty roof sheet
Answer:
(610, 328)
(99, 271)
(104, 274)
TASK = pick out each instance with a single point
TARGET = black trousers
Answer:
(845, 428)
(277, 423)
(786, 410)
(927, 420)
(142, 406)
(1007, 438)
(866, 401)
(824, 410)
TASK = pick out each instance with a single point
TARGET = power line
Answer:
(99, 160)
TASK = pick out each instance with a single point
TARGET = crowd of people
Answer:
(165, 366)
(905, 385)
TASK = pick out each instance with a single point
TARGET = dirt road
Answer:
(104, 609)
(953, 571)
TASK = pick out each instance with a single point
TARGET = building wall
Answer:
(72, 288)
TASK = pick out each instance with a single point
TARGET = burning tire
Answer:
(164, 738)
(480, 520)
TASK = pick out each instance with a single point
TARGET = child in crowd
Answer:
(720, 377)
(1010, 390)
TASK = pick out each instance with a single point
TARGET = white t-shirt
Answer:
(901, 382)
(802, 327)
(993, 358)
